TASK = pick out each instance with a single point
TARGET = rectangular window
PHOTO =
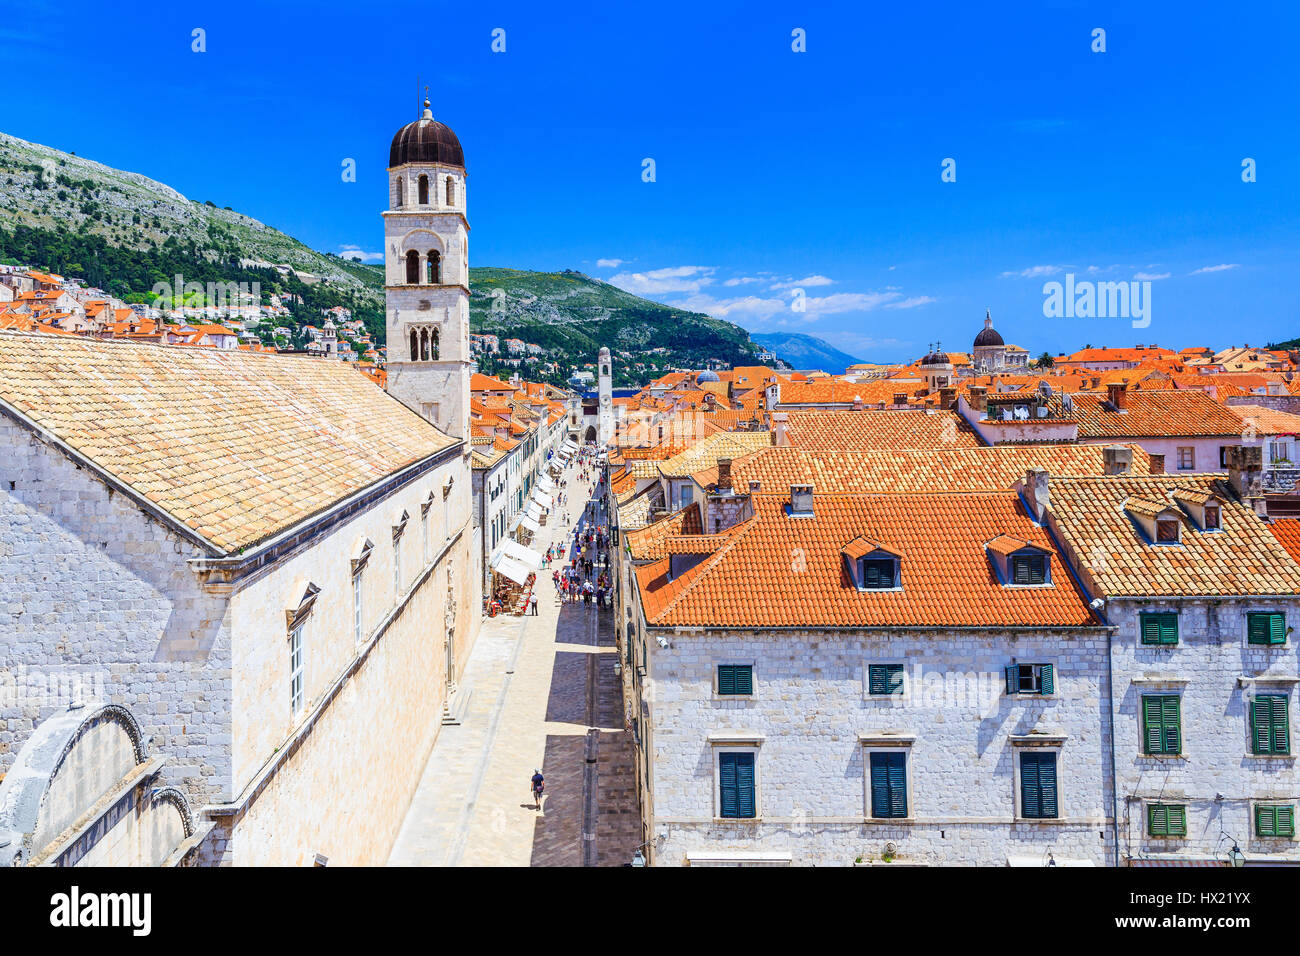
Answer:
(877, 573)
(888, 785)
(1270, 724)
(736, 785)
(357, 626)
(1159, 627)
(295, 670)
(1211, 518)
(1275, 821)
(735, 680)
(884, 679)
(1028, 569)
(1038, 786)
(1266, 627)
(1186, 458)
(1166, 530)
(1161, 724)
(1031, 679)
(1167, 819)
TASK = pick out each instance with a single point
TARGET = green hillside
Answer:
(124, 233)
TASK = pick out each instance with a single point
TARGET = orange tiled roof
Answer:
(650, 543)
(1242, 558)
(1153, 414)
(777, 571)
(988, 468)
(236, 446)
(1267, 421)
(1287, 532)
(881, 430)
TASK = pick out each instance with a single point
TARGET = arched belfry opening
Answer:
(424, 190)
(401, 192)
(412, 267)
(451, 191)
(435, 267)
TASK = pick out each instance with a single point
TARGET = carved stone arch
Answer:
(421, 241)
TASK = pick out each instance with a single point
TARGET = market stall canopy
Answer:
(529, 524)
(548, 487)
(512, 569)
(515, 551)
(534, 511)
(543, 499)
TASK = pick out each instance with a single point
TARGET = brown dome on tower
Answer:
(988, 335)
(426, 141)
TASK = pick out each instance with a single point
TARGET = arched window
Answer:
(451, 191)
(433, 344)
(412, 268)
(401, 191)
(415, 346)
(435, 267)
(424, 190)
(424, 345)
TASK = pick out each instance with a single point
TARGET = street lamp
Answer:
(1235, 857)
(637, 858)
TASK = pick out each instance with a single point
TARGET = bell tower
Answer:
(426, 274)
(605, 410)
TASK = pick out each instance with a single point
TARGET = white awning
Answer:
(547, 486)
(534, 511)
(568, 448)
(512, 569)
(529, 523)
(515, 551)
(1043, 861)
(543, 499)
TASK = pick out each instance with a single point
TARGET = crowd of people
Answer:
(584, 575)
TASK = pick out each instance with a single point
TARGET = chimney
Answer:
(947, 397)
(857, 403)
(1096, 382)
(900, 398)
(755, 486)
(779, 420)
(978, 397)
(801, 500)
(1117, 459)
(1245, 465)
(1037, 492)
(1157, 464)
(724, 474)
(1117, 395)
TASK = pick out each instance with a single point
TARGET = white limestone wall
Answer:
(343, 792)
(98, 593)
(809, 708)
(1205, 668)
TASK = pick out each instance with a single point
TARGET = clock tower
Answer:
(605, 410)
(426, 274)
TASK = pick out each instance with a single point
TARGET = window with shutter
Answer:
(1031, 679)
(877, 573)
(1038, 797)
(888, 785)
(1159, 627)
(884, 679)
(736, 785)
(1161, 724)
(1275, 820)
(1270, 724)
(1266, 627)
(1167, 819)
(735, 680)
(1028, 569)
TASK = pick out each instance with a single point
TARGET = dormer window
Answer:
(1019, 563)
(1211, 517)
(1167, 531)
(1158, 520)
(871, 566)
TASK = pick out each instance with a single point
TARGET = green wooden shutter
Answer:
(1177, 820)
(1150, 629)
(876, 680)
(1266, 627)
(1047, 679)
(1169, 629)
(897, 785)
(1038, 794)
(1173, 725)
(1159, 627)
(744, 680)
(1047, 783)
(1270, 724)
(1037, 566)
(879, 786)
(1152, 732)
(1013, 679)
(1277, 629)
(1157, 819)
(1285, 820)
(726, 679)
(727, 784)
(745, 801)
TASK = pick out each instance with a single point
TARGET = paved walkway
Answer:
(543, 696)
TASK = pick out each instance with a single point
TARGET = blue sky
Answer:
(774, 169)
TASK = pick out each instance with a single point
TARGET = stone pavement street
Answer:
(543, 695)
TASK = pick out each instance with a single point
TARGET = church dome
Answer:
(707, 376)
(988, 335)
(935, 357)
(426, 141)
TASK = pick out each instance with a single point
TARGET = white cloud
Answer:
(609, 263)
(756, 308)
(912, 302)
(741, 280)
(1151, 275)
(1221, 267)
(664, 281)
(1033, 272)
(809, 282)
(355, 252)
